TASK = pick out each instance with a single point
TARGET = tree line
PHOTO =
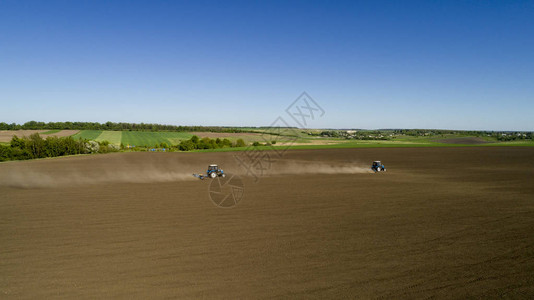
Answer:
(35, 146)
(196, 143)
(34, 125)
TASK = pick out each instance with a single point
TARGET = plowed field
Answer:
(443, 222)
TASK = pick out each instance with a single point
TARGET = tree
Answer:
(17, 142)
(52, 146)
(240, 143)
(5, 153)
(226, 143)
(186, 145)
(205, 143)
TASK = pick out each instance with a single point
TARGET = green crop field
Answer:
(137, 138)
(174, 138)
(113, 137)
(143, 138)
(87, 134)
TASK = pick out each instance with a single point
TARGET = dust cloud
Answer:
(35, 176)
(149, 171)
(25, 179)
(289, 167)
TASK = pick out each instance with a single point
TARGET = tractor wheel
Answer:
(223, 175)
(378, 169)
(213, 174)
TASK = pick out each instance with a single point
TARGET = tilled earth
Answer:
(441, 222)
(7, 135)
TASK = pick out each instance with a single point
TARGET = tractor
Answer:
(213, 172)
(378, 166)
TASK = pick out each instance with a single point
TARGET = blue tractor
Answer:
(378, 166)
(213, 172)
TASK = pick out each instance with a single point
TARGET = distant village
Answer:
(388, 134)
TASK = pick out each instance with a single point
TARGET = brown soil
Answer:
(442, 222)
(63, 133)
(463, 141)
(7, 135)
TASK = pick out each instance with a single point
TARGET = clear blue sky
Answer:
(402, 64)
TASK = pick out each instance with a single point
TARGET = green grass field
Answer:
(87, 134)
(113, 137)
(143, 138)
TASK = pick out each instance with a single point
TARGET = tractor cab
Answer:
(377, 166)
(214, 171)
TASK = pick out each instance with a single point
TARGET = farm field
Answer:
(88, 134)
(113, 137)
(449, 222)
(247, 137)
(142, 138)
(299, 141)
(150, 138)
(7, 135)
(51, 131)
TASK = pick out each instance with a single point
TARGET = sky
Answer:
(368, 64)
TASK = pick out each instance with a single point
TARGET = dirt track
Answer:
(444, 222)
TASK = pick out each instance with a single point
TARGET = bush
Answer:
(226, 143)
(187, 145)
(92, 147)
(240, 143)
(206, 143)
(17, 142)
(20, 154)
(5, 153)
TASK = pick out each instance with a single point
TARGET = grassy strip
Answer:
(51, 131)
